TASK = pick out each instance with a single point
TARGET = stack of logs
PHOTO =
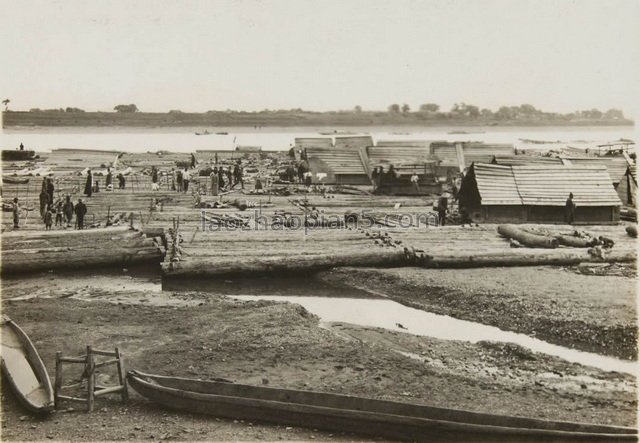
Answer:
(24, 251)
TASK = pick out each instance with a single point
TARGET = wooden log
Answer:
(109, 255)
(526, 238)
(215, 266)
(522, 257)
(574, 242)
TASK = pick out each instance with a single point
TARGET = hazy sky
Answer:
(200, 55)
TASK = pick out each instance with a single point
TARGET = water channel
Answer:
(331, 303)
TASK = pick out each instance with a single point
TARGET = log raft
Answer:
(28, 251)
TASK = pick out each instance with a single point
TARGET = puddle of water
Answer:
(394, 316)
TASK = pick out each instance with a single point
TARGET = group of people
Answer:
(62, 212)
(92, 185)
(52, 210)
(382, 178)
(299, 172)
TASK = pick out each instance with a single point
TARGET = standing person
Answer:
(68, 210)
(229, 177)
(58, 210)
(48, 218)
(21, 147)
(302, 168)
(109, 180)
(186, 177)
(88, 187)
(50, 189)
(81, 211)
(374, 178)
(570, 210)
(241, 176)
(214, 181)
(121, 181)
(221, 182)
(15, 209)
(307, 179)
(154, 176)
(414, 181)
(193, 161)
(236, 173)
(391, 175)
(173, 179)
(443, 205)
(44, 200)
(179, 180)
(457, 182)
(382, 178)
(258, 185)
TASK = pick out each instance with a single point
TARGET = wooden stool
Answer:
(90, 366)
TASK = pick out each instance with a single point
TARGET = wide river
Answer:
(274, 138)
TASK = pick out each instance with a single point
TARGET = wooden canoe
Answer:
(15, 180)
(23, 369)
(381, 418)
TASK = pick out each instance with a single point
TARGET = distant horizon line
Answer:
(462, 113)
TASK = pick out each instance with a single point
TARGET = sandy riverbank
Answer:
(203, 335)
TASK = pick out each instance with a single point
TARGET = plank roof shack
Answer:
(453, 155)
(337, 166)
(628, 186)
(615, 165)
(313, 142)
(538, 194)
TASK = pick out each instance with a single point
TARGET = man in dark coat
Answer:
(221, 181)
(109, 180)
(570, 210)
(15, 209)
(443, 205)
(391, 175)
(44, 201)
(88, 187)
(121, 181)
(50, 189)
(81, 211)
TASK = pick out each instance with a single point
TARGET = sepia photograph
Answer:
(337, 221)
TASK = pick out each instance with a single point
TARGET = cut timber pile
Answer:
(24, 251)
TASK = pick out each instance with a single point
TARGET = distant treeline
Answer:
(428, 114)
